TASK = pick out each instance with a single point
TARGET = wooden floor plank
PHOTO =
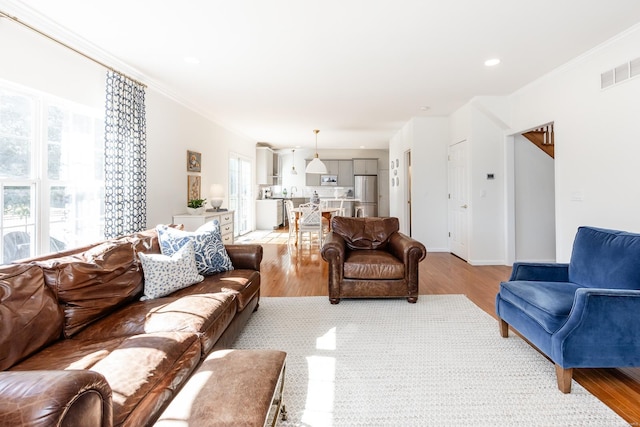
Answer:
(288, 270)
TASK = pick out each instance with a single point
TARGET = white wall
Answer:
(597, 139)
(535, 237)
(427, 139)
(172, 129)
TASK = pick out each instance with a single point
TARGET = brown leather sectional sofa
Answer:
(78, 347)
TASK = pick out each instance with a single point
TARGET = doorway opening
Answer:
(532, 205)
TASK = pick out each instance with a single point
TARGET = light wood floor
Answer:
(302, 272)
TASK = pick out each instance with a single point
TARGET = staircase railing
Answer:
(543, 138)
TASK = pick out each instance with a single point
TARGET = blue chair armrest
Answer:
(536, 271)
(601, 330)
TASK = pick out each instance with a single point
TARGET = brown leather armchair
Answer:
(370, 258)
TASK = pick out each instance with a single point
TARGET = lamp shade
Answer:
(217, 196)
(316, 166)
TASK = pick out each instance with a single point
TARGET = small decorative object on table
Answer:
(196, 206)
(315, 199)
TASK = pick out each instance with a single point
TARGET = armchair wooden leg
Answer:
(564, 378)
(334, 300)
(412, 300)
(504, 328)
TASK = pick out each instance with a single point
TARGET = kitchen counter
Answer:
(344, 199)
(269, 214)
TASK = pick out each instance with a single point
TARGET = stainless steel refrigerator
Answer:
(366, 194)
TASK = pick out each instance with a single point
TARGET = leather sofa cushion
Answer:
(244, 284)
(144, 241)
(547, 303)
(30, 316)
(137, 368)
(93, 283)
(604, 258)
(188, 313)
(367, 265)
(365, 233)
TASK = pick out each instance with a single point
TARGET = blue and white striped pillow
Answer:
(211, 256)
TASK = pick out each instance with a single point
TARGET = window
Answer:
(51, 174)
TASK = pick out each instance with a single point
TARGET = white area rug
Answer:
(440, 362)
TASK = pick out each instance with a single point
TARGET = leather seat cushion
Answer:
(207, 315)
(245, 284)
(137, 368)
(372, 265)
(548, 303)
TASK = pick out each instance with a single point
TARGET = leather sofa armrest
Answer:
(333, 247)
(407, 249)
(245, 256)
(333, 252)
(55, 398)
(538, 271)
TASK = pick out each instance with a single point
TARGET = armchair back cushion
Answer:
(29, 314)
(365, 233)
(600, 259)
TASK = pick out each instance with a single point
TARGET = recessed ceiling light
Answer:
(191, 60)
(491, 62)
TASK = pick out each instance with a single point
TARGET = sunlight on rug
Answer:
(440, 362)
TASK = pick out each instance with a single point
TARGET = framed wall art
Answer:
(194, 161)
(193, 187)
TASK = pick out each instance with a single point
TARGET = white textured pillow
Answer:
(165, 274)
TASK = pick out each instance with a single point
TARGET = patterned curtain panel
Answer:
(125, 157)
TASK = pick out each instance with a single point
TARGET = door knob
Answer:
(464, 206)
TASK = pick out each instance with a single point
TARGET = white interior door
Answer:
(459, 200)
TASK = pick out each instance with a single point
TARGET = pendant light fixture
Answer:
(293, 163)
(316, 165)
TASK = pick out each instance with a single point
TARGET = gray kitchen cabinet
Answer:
(345, 173)
(365, 166)
(332, 166)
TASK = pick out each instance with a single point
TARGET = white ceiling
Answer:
(355, 69)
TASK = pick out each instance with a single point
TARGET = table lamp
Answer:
(217, 196)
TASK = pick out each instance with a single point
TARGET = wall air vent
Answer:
(606, 79)
(619, 74)
(622, 72)
(634, 67)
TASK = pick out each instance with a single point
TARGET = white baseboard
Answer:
(478, 262)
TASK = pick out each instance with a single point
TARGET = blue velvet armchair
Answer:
(585, 314)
